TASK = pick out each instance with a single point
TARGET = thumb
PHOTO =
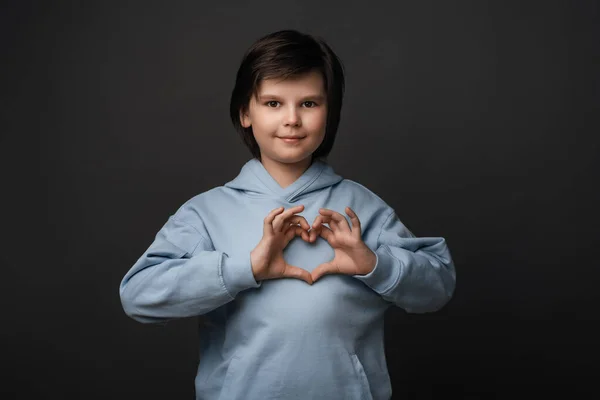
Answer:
(292, 271)
(321, 270)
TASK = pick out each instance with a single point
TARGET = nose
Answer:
(292, 117)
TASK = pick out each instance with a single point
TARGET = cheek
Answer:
(318, 121)
(261, 125)
(267, 119)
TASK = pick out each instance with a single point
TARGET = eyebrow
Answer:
(317, 97)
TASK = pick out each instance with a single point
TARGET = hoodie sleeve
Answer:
(416, 274)
(181, 275)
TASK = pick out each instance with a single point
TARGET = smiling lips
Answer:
(291, 139)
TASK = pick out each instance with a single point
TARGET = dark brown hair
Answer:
(280, 55)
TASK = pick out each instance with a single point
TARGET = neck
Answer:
(285, 173)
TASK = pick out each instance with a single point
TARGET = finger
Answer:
(289, 235)
(302, 229)
(341, 221)
(292, 271)
(313, 234)
(326, 233)
(315, 229)
(268, 221)
(320, 220)
(326, 220)
(318, 226)
(322, 270)
(278, 222)
(296, 231)
(317, 222)
(327, 217)
(299, 219)
(356, 228)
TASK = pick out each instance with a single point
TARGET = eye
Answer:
(272, 103)
(309, 104)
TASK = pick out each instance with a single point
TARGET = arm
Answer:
(181, 275)
(416, 274)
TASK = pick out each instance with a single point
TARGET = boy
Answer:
(292, 309)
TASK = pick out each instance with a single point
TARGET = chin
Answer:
(292, 160)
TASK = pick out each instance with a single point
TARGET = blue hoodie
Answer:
(284, 338)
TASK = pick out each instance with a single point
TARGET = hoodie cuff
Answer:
(384, 275)
(237, 274)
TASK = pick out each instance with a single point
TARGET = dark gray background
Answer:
(477, 121)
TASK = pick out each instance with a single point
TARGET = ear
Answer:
(245, 118)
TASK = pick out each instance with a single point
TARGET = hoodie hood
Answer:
(254, 178)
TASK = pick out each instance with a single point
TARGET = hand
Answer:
(351, 255)
(278, 230)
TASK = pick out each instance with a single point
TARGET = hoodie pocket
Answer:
(239, 376)
(229, 375)
(362, 378)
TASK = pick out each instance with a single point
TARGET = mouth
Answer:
(291, 140)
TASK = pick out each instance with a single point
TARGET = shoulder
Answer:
(203, 199)
(362, 194)
(193, 211)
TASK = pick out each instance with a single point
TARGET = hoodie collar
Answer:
(253, 177)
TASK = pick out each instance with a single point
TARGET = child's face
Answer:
(296, 106)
